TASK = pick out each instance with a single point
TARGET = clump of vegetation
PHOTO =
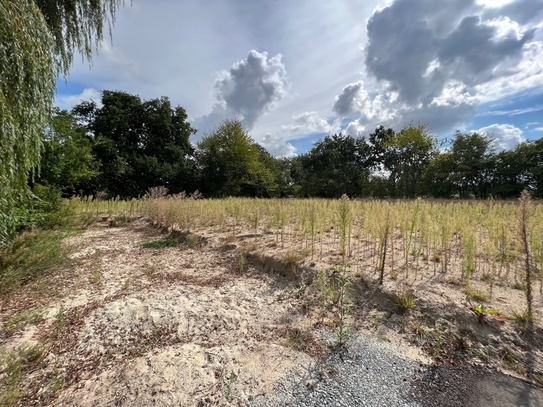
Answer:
(405, 300)
(22, 318)
(521, 317)
(31, 256)
(163, 243)
(12, 367)
(229, 385)
(292, 260)
(298, 338)
(476, 294)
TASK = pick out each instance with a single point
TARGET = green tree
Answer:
(38, 40)
(519, 169)
(67, 159)
(408, 152)
(472, 153)
(337, 165)
(437, 179)
(139, 144)
(232, 164)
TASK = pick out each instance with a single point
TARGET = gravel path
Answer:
(374, 373)
(368, 372)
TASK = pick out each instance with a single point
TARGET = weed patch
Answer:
(405, 300)
(161, 243)
(12, 367)
(30, 256)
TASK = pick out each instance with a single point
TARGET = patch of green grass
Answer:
(521, 317)
(60, 319)
(298, 338)
(229, 385)
(31, 256)
(477, 295)
(96, 273)
(193, 240)
(161, 243)
(21, 318)
(404, 300)
(12, 367)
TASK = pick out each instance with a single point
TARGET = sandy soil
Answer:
(211, 322)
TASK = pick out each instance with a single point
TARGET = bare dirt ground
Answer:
(220, 319)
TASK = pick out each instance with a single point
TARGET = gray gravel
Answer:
(368, 372)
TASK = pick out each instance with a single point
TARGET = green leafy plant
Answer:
(481, 311)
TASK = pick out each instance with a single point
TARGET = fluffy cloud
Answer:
(302, 125)
(405, 40)
(277, 147)
(251, 87)
(523, 11)
(308, 123)
(433, 62)
(69, 101)
(506, 136)
(350, 99)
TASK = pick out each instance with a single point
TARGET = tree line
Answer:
(126, 145)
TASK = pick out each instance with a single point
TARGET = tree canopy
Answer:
(38, 40)
(67, 160)
(232, 164)
(139, 144)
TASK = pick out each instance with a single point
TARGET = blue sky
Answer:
(295, 71)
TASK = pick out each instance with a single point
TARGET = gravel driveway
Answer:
(372, 372)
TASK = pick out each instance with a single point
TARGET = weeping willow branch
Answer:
(38, 40)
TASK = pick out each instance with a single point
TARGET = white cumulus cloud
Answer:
(308, 123)
(506, 136)
(251, 88)
(68, 101)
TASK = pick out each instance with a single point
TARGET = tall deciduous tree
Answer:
(38, 40)
(140, 144)
(471, 153)
(232, 164)
(337, 165)
(67, 159)
(408, 152)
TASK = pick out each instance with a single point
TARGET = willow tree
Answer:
(38, 41)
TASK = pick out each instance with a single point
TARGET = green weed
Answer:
(12, 367)
(405, 300)
(31, 256)
(161, 244)
(523, 317)
(20, 319)
(229, 385)
(477, 295)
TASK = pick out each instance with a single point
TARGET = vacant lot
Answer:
(215, 302)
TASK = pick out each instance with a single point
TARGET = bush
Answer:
(42, 208)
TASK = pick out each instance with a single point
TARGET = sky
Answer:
(294, 71)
